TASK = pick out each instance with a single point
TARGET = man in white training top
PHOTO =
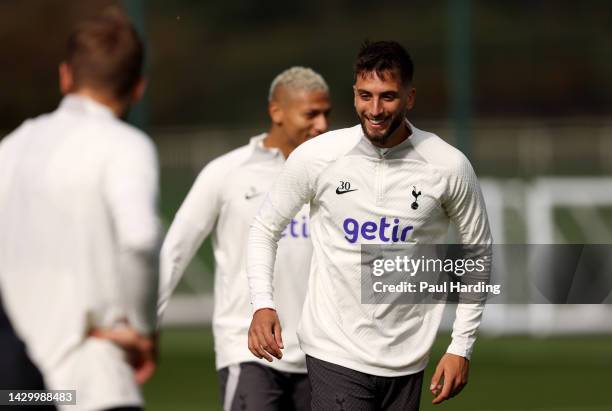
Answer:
(79, 227)
(361, 184)
(223, 201)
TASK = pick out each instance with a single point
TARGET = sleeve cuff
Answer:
(460, 348)
(259, 303)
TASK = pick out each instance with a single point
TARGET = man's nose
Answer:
(320, 124)
(376, 107)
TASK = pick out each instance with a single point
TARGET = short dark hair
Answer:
(105, 52)
(383, 56)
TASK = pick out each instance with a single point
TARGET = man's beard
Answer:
(125, 115)
(396, 122)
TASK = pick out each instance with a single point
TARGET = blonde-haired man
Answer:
(223, 201)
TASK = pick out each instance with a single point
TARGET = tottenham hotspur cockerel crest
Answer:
(416, 195)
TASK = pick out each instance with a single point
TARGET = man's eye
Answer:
(365, 96)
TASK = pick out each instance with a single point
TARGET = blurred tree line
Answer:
(212, 62)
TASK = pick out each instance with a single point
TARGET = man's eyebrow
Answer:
(383, 93)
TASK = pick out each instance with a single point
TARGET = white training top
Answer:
(79, 242)
(350, 183)
(224, 200)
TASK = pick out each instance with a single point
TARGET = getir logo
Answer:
(296, 229)
(371, 230)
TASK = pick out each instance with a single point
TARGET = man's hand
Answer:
(141, 350)
(453, 370)
(265, 335)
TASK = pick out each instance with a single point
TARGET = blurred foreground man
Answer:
(224, 199)
(383, 181)
(78, 224)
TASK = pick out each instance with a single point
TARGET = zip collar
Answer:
(365, 146)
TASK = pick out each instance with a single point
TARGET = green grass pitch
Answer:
(507, 374)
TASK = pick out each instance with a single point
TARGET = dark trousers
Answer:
(339, 388)
(255, 387)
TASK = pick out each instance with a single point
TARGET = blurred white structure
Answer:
(536, 202)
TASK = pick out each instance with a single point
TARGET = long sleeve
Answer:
(131, 187)
(192, 224)
(290, 192)
(466, 208)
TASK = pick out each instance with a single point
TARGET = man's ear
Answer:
(276, 112)
(411, 98)
(66, 79)
(138, 90)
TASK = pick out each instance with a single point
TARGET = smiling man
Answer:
(382, 100)
(383, 181)
(226, 196)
